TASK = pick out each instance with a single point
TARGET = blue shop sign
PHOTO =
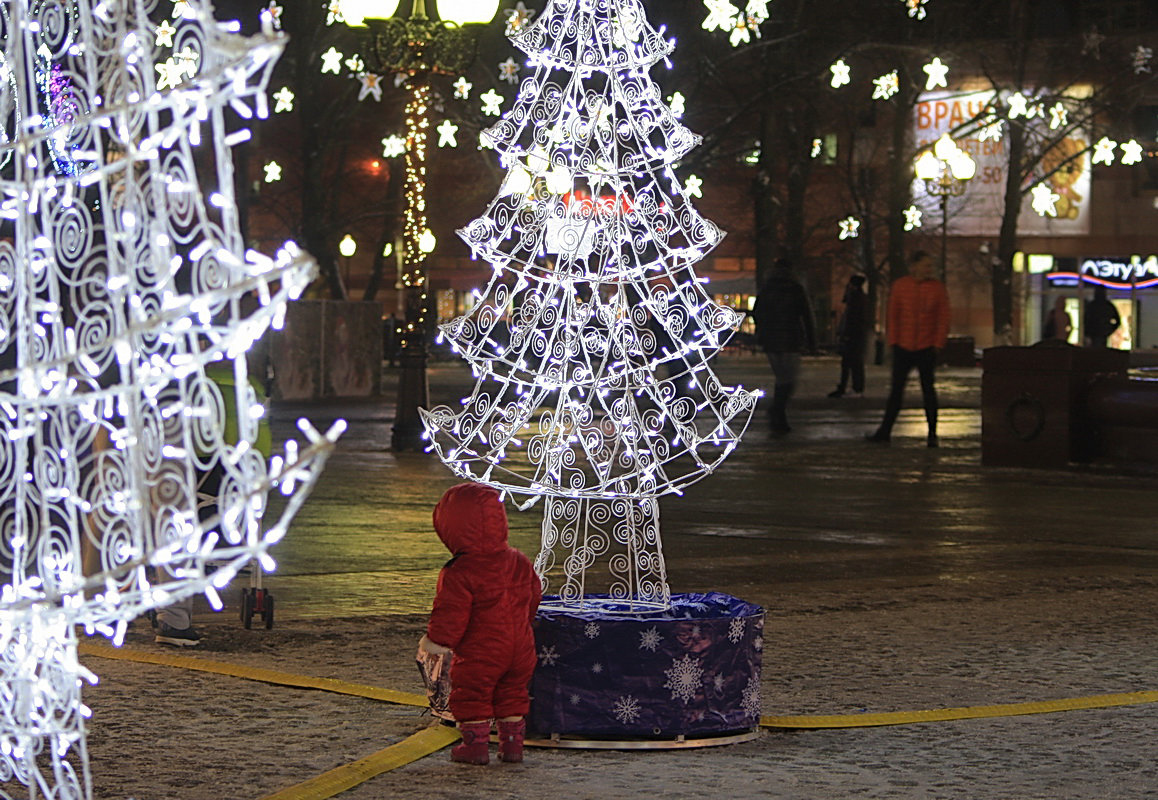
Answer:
(1134, 272)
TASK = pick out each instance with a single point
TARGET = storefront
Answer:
(1131, 284)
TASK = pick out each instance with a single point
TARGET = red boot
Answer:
(475, 747)
(511, 740)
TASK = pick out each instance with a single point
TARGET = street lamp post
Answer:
(945, 169)
(418, 47)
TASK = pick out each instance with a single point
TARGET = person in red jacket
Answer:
(486, 600)
(918, 325)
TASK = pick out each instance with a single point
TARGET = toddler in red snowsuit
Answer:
(487, 598)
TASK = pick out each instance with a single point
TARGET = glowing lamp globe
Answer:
(427, 241)
(347, 247)
(928, 168)
(467, 12)
(357, 12)
(945, 147)
(963, 166)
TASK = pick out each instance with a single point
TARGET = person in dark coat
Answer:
(784, 330)
(1101, 318)
(485, 603)
(851, 334)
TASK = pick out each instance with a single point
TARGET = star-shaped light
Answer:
(721, 15)
(1104, 151)
(913, 218)
(817, 148)
(182, 10)
(1045, 200)
(492, 103)
(371, 85)
(334, 12)
(992, 130)
(1131, 152)
(1142, 57)
(165, 33)
(886, 86)
(937, 72)
(693, 186)
(1058, 116)
(758, 11)
(509, 71)
(518, 17)
(284, 100)
(272, 172)
(678, 104)
(188, 60)
(393, 146)
(743, 30)
(840, 74)
(1092, 42)
(275, 12)
(1018, 105)
(332, 61)
(355, 63)
(169, 73)
(916, 8)
(447, 132)
(849, 228)
(462, 88)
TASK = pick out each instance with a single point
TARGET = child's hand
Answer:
(434, 649)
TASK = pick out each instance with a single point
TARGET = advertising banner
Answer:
(978, 211)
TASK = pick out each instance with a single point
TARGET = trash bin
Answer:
(1034, 403)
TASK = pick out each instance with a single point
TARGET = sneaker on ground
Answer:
(187, 637)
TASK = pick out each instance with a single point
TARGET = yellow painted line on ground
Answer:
(255, 674)
(971, 712)
(338, 780)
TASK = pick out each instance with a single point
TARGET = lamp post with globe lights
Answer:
(946, 169)
(417, 46)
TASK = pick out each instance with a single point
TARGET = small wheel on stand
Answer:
(267, 611)
(247, 603)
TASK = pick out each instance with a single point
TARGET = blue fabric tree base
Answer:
(693, 670)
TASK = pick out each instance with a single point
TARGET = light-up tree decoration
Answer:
(591, 340)
(122, 275)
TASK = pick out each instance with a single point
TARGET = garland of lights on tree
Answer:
(123, 274)
(592, 339)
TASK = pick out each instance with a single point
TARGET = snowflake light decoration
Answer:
(1141, 59)
(1104, 151)
(1132, 152)
(937, 74)
(492, 103)
(840, 74)
(447, 134)
(123, 275)
(916, 8)
(371, 86)
(849, 228)
(886, 85)
(913, 216)
(1045, 200)
(462, 88)
(591, 343)
(393, 146)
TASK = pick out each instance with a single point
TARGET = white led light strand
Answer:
(591, 341)
(123, 274)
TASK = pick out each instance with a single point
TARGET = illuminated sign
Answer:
(1115, 273)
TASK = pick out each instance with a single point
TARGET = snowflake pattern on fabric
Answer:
(626, 710)
(591, 631)
(736, 630)
(758, 643)
(718, 682)
(548, 656)
(649, 639)
(751, 700)
(684, 679)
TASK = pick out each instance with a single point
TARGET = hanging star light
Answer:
(272, 172)
(1142, 57)
(393, 146)
(284, 100)
(849, 228)
(1018, 105)
(721, 15)
(447, 133)
(332, 61)
(678, 104)
(743, 29)
(817, 148)
(462, 88)
(1092, 42)
(355, 64)
(693, 186)
(1131, 152)
(518, 17)
(165, 32)
(840, 74)
(913, 217)
(916, 8)
(1045, 200)
(371, 86)
(1058, 116)
(591, 344)
(492, 103)
(1104, 151)
(509, 71)
(126, 288)
(937, 73)
(991, 130)
(886, 86)
(275, 12)
(334, 13)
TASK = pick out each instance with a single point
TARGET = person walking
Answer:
(1058, 325)
(851, 334)
(1101, 318)
(784, 330)
(918, 326)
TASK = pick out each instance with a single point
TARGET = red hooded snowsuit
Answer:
(487, 597)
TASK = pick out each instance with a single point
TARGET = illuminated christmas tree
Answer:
(123, 274)
(592, 339)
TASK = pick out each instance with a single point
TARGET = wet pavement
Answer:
(895, 578)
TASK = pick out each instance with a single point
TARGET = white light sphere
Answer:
(465, 12)
(357, 12)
